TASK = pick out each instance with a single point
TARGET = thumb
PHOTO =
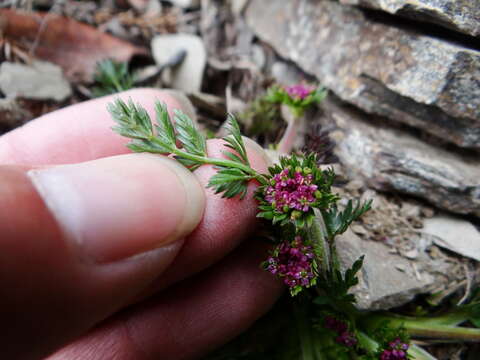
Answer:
(78, 242)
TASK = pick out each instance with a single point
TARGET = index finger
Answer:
(77, 133)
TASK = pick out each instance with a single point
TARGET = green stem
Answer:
(452, 318)
(220, 162)
(417, 353)
(286, 142)
(367, 342)
(304, 333)
(213, 161)
(317, 234)
(425, 328)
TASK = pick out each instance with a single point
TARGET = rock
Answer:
(459, 15)
(394, 160)
(238, 6)
(454, 234)
(258, 56)
(386, 280)
(185, 4)
(188, 75)
(422, 81)
(40, 80)
(286, 74)
(212, 104)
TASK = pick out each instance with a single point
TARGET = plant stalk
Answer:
(425, 328)
(304, 333)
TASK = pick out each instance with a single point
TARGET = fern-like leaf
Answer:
(191, 139)
(229, 181)
(186, 143)
(337, 222)
(235, 141)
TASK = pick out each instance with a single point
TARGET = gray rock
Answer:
(40, 80)
(425, 82)
(286, 74)
(391, 159)
(188, 75)
(460, 15)
(185, 3)
(454, 234)
(385, 280)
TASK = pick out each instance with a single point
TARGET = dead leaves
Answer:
(74, 46)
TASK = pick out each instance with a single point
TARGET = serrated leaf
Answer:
(131, 118)
(147, 146)
(268, 215)
(230, 182)
(337, 222)
(232, 156)
(235, 141)
(192, 165)
(191, 139)
(164, 126)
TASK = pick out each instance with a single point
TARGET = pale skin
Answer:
(120, 256)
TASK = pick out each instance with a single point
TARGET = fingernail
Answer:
(121, 206)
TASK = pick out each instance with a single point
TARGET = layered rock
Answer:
(381, 285)
(422, 81)
(394, 160)
(459, 15)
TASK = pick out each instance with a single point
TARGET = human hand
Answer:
(121, 256)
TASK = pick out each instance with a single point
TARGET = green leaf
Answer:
(186, 143)
(337, 222)
(229, 181)
(164, 126)
(132, 120)
(111, 77)
(235, 141)
(191, 139)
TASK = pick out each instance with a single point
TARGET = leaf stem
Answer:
(220, 162)
(425, 328)
(317, 234)
(304, 333)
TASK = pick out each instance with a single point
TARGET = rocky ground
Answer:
(403, 108)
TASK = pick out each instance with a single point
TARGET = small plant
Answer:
(296, 199)
(297, 97)
(111, 77)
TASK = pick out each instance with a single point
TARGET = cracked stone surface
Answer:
(391, 159)
(427, 83)
(459, 15)
(381, 285)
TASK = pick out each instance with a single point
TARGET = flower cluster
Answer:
(294, 262)
(397, 350)
(297, 97)
(299, 91)
(295, 187)
(290, 190)
(344, 336)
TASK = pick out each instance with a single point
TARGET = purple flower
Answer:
(289, 191)
(299, 91)
(332, 323)
(347, 339)
(397, 350)
(341, 328)
(293, 262)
